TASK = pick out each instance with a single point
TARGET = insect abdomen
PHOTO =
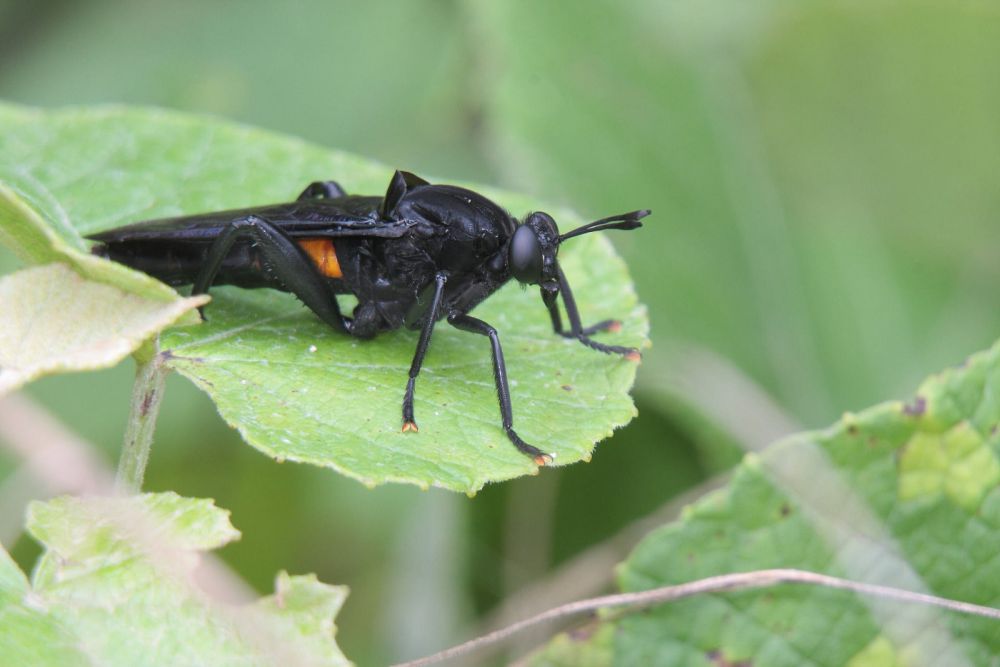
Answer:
(179, 263)
(323, 254)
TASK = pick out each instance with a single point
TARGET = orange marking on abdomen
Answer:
(323, 255)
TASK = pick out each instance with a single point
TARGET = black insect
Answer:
(419, 254)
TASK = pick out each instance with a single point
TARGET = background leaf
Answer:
(28, 634)
(114, 587)
(902, 494)
(807, 159)
(292, 387)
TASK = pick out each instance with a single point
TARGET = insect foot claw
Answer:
(544, 459)
(410, 425)
(633, 355)
(538, 456)
(615, 326)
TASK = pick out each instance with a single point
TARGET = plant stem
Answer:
(717, 584)
(150, 377)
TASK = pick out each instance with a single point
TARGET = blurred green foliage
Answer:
(822, 177)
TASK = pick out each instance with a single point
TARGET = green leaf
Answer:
(40, 240)
(902, 494)
(114, 587)
(55, 321)
(591, 647)
(294, 388)
(29, 635)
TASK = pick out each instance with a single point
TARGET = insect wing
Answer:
(322, 218)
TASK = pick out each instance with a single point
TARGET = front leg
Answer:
(549, 297)
(466, 323)
(577, 330)
(418, 358)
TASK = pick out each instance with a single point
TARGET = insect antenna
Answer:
(628, 220)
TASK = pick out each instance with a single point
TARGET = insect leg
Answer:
(576, 330)
(283, 259)
(324, 189)
(550, 299)
(467, 323)
(418, 358)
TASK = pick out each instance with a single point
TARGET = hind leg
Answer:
(283, 260)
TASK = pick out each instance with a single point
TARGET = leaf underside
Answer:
(56, 321)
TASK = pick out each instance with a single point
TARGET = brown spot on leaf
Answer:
(582, 633)
(718, 658)
(916, 408)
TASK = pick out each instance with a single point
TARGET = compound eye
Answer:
(526, 255)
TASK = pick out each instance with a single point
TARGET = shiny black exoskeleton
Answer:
(421, 253)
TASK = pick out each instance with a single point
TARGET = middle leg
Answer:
(418, 358)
